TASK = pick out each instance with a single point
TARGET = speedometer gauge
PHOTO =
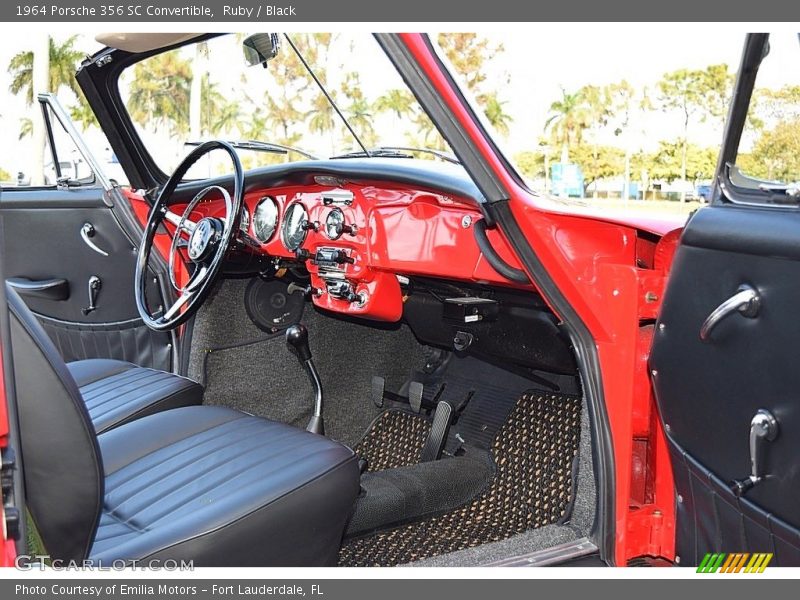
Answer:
(265, 219)
(293, 232)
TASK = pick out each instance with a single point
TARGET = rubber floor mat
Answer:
(533, 452)
(395, 439)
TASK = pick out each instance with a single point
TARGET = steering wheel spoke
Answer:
(182, 223)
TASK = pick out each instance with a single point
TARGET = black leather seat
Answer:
(117, 392)
(206, 484)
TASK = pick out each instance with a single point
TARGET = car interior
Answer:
(324, 362)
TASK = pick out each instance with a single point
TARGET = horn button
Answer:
(204, 239)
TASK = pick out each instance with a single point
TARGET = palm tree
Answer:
(160, 92)
(495, 113)
(322, 121)
(568, 118)
(82, 114)
(25, 127)
(397, 101)
(64, 59)
(218, 114)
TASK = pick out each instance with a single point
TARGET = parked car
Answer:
(375, 360)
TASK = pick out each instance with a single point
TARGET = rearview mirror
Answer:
(260, 48)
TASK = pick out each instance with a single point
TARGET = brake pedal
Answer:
(434, 445)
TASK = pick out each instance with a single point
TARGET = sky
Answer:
(530, 73)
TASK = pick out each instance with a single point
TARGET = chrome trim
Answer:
(254, 218)
(746, 301)
(549, 556)
(66, 122)
(286, 223)
(87, 232)
(763, 426)
(338, 197)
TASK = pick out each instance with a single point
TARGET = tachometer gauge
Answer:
(334, 224)
(265, 219)
(293, 232)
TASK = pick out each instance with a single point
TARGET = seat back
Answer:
(64, 481)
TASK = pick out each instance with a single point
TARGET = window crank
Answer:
(94, 289)
(763, 429)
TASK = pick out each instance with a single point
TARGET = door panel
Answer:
(43, 241)
(709, 391)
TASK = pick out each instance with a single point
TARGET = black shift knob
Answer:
(297, 340)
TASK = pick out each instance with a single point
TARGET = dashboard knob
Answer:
(302, 254)
(342, 258)
(310, 225)
(348, 229)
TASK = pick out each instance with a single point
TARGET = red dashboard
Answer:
(359, 241)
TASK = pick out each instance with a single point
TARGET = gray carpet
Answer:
(248, 369)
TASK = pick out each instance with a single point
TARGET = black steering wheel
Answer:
(206, 241)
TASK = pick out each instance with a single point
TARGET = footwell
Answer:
(533, 452)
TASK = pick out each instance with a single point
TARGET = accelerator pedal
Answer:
(434, 445)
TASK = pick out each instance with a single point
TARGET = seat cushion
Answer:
(117, 392)
(223, 488)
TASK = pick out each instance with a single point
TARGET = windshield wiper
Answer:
(400, 152)
(258, 146)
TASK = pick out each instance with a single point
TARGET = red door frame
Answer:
(594, 266)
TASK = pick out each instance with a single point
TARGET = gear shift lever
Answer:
(297, 340)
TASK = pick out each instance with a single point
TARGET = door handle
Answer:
(87, 232)
(745, 301)
(763, 428)
(49, 289)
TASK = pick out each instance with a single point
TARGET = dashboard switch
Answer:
(332, 256)
(342, 290)
(302, 254)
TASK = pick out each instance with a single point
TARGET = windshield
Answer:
(207, 90)
(628, 123)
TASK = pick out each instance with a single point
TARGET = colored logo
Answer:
(737, 562)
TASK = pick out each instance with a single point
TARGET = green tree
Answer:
(470, 54)
(530, 163)
(567, 120)
(160, 92)
(599, 162)
(397, 101)
(64, 60)
(716, 88)
(496, 114)
(358, 110)
(775, 155)
(218, 114)
(681, 91)
(667, 162)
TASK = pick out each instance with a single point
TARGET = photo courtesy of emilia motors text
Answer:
(343, 299)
